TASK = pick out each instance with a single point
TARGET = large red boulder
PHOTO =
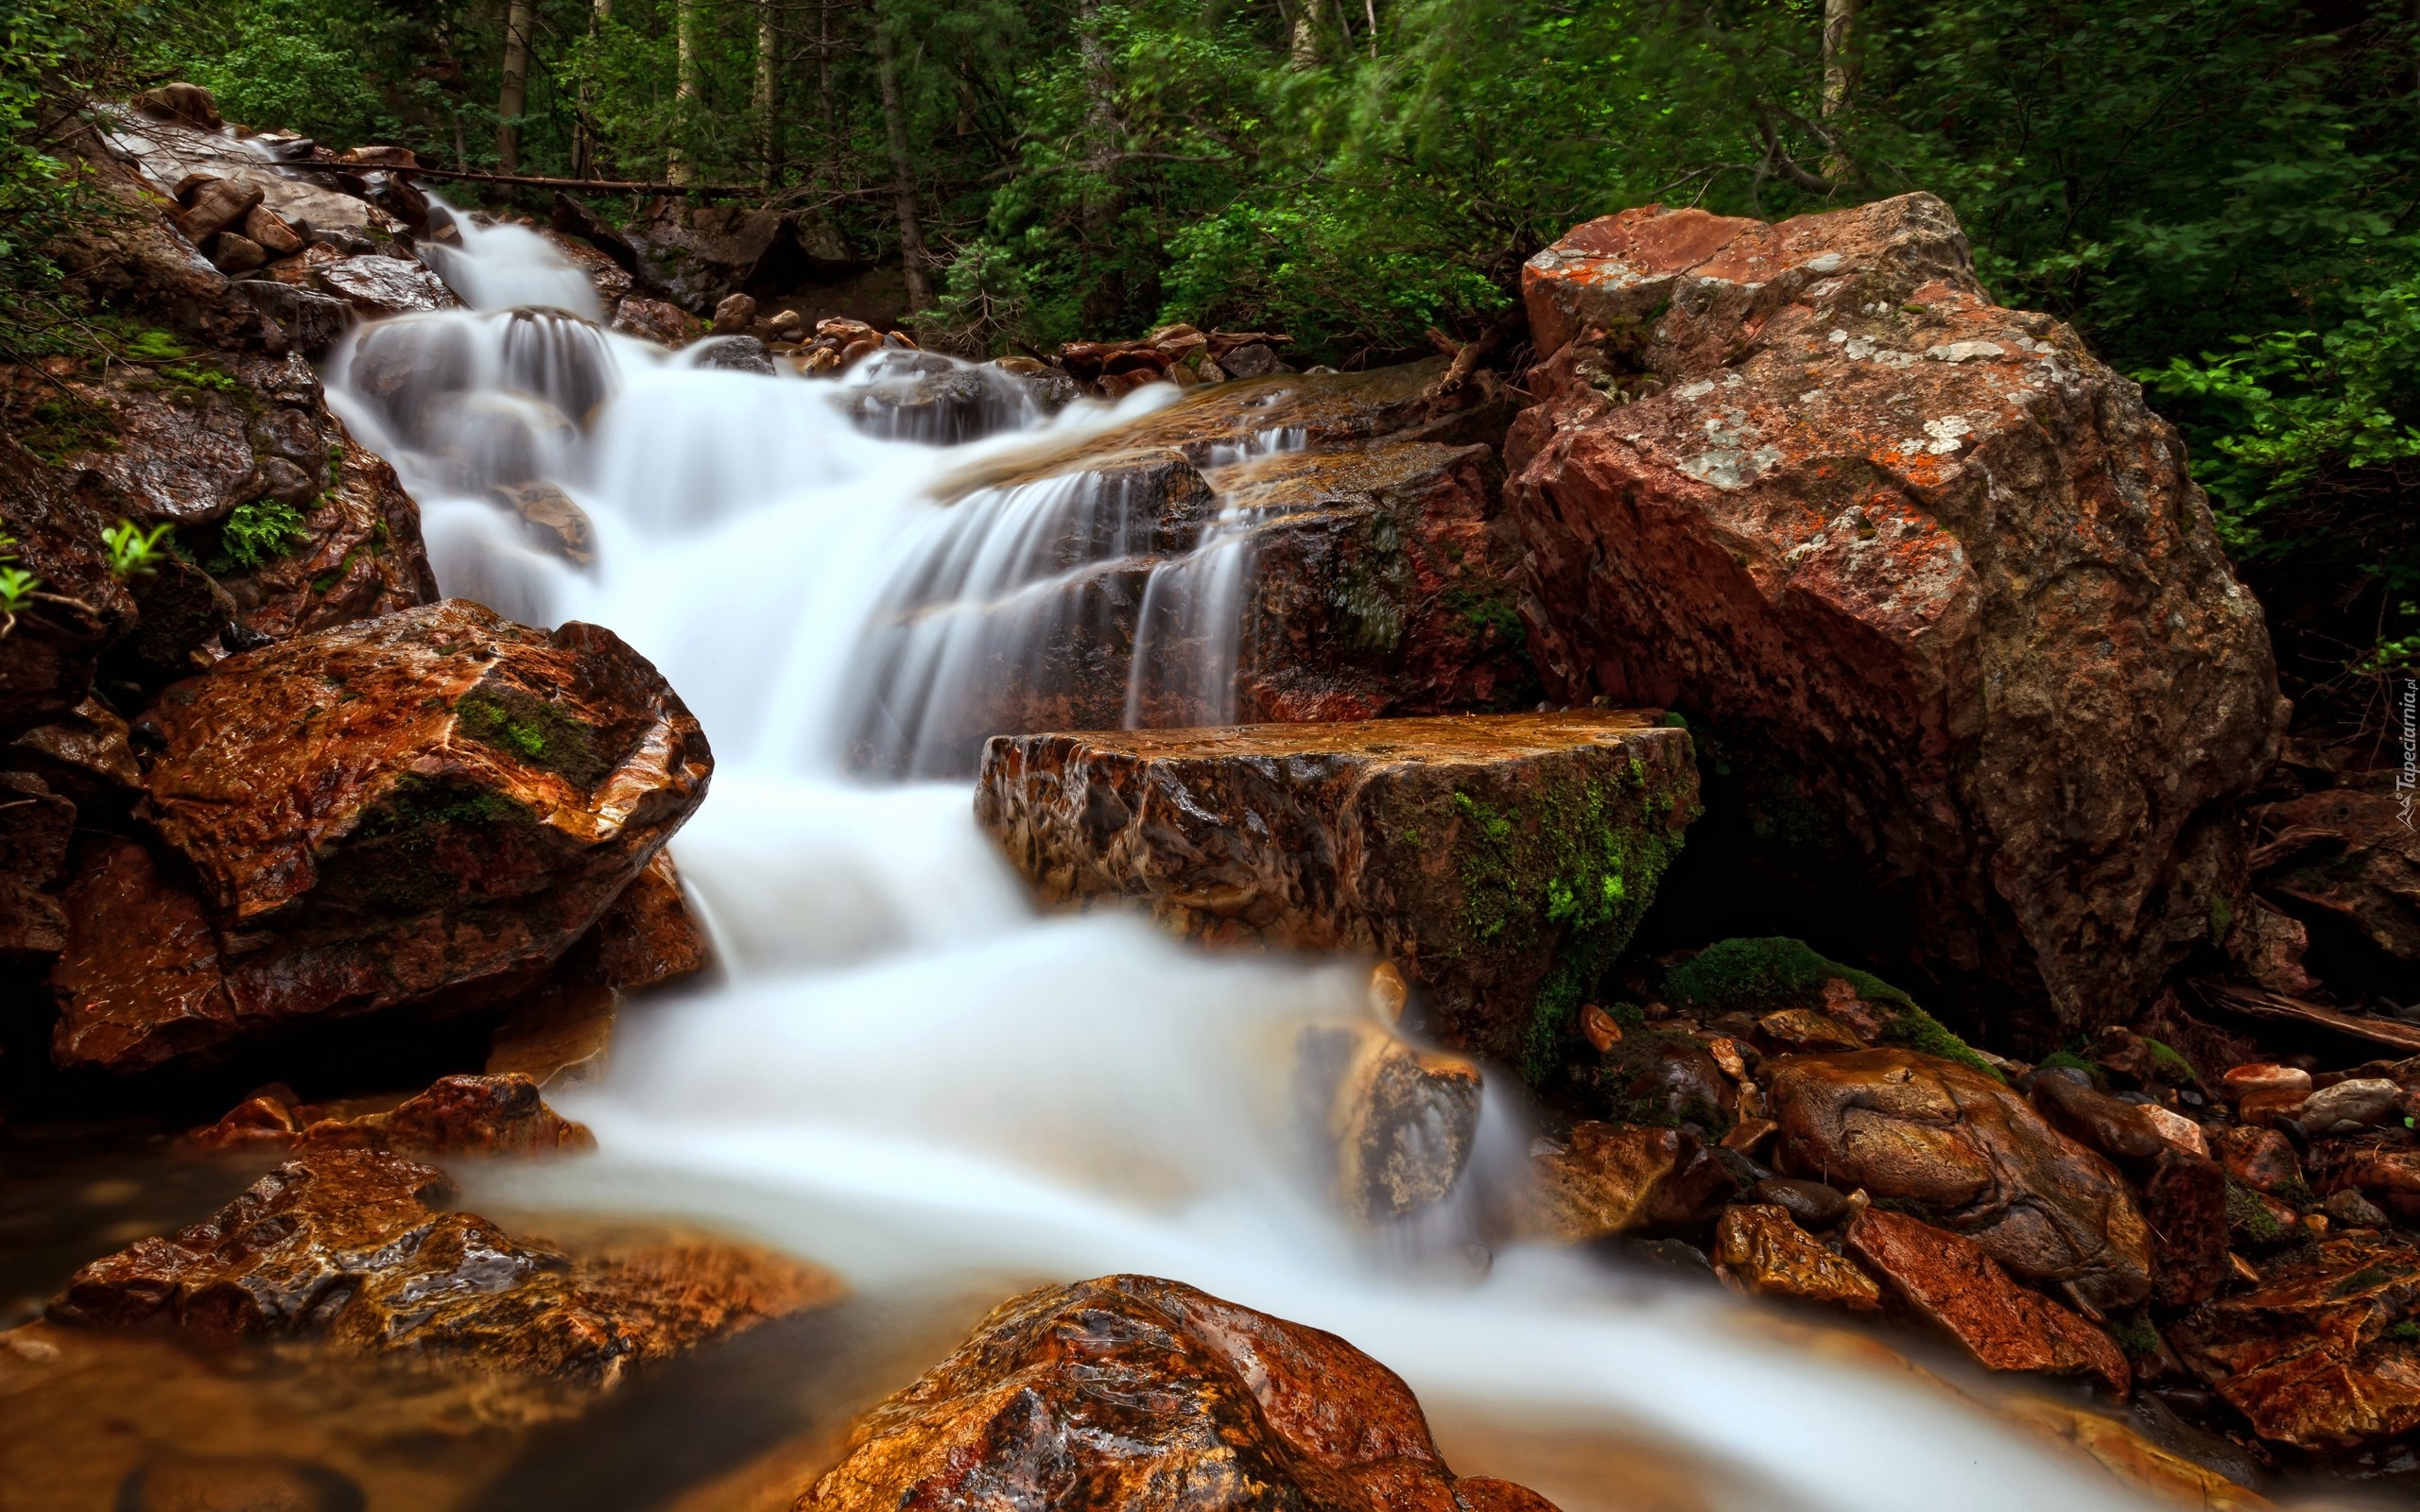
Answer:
(427, 808)
(1925, 557)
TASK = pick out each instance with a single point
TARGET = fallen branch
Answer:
(2256, 1002)
(523, 180)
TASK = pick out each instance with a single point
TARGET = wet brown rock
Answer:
(1499, 861)
(1974, 1157)
(560, 1036)
(1393, 1124)
(141, 980)
(2348, 849)
(2117, 1130)
(1807, 482)
(654, 321)
(380, 286)
(266, 228)
(555, 521)
(189, 103)
(346, 1248)
(649, 938)
(702, 254)
(1139, 1393)
(734, 314)
(1661, 1076)
(213, 205)
(1602, 1179)
(35, 828)
(2389, 1178)
(53, 645)
(2265, 1076)
(362, 558)
(1804, 1029)
(457, 1115)
(435, 804)
(2312, 1355)
(1963, 1291)
(2185, 1204)
(1768, 1254)
(2136, 1460)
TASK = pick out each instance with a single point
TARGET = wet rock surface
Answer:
(459, 1115)
(349, 1249)
(1500, 861)
(2320, 1354)
(1394, 1125)
(1131, 1391)
(1963, 1291)
(1828, 531)
(1970, 1153)
(433, 802)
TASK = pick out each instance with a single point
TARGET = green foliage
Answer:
(134, 551)
(257, 534)
(1762, 975)
(17, 586)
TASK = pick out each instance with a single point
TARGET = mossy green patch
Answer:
(1763, 974)
(2069, 1061)
(2170, 1067)
(257, 534)
(2251, 1222)
(539, 732)
(2134, 1334)
(1571, 867)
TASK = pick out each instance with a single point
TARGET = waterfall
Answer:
(900, 1069)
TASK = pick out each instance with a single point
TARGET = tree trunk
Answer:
(902, 172)
(1840, 74)
(685, 88)
(583, 127)
(512, 98)
(827, 117)
(769, 89)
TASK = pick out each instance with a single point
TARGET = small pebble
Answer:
(2355, 1211)
(1815, 1205)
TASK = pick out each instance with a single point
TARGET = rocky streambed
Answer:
(1494, 739)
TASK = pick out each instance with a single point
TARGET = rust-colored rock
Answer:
(346, 1246)
(140, 981)
(2352, 850)
(2318, 1355)
(2118, 1129)
(35, 828)
(655, 320)
(649, 938)
(1138, 1393)
(457, 1115)
(2185, 1204)
(2257, 1155)
(1761, 1247)
(2390, 1177)
(1806, 483)
(1600, 1180)
(53, 645)
(1974, 1157)
(1963, 1291)
(1501, 861)
(431, 805)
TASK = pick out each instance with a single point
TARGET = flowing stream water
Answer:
(903, 1070)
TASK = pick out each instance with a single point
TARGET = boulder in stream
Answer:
(1927, 565)
(1501, 861)
(1130, 1391)
(427, 808)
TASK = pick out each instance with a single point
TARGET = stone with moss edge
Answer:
(1501, 860)
(1777, 973)
(423, 810)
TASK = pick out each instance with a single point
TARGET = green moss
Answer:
(2069, 1061)
(2134, 1334)
(1572, 868)
(1761, 976)
(396, 858)
(2221, 917)
(1490, 618)
(2406, 1332)
(2251, 1222)
(60, 429)
(2170, 1067)
(510, 720)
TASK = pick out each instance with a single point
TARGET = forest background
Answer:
(2224, 195)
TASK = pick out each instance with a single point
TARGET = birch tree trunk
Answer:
(902, 172)
(1840, 73)
(685, 88)
(769, 87)
(513, 98)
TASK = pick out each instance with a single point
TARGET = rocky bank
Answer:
(1851, 598)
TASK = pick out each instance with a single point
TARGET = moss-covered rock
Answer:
(1503, 861)
(1763, 975)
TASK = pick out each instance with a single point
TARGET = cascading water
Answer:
(903, 1072)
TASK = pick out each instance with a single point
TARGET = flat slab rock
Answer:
(1500, 859)
(1130, 1391)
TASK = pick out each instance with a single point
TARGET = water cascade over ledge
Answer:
(903, 1070)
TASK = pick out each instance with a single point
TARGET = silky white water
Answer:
(902, 1072)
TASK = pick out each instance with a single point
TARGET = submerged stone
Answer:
(1958, 1288)
(1501, 861)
